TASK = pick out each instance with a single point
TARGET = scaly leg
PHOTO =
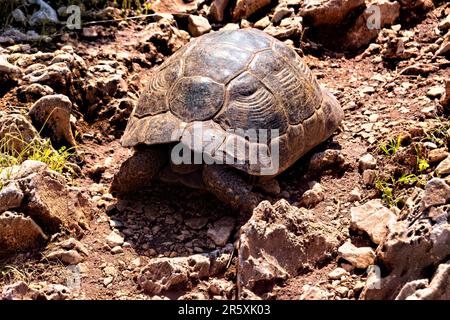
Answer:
(139, 170)
(230, 187)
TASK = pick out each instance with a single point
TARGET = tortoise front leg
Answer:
(139, 170)
(229, 187)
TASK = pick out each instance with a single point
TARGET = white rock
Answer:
(262, 23)
(166, 273)
(435, 92)
(355, 195)
(313, 196)
(114, 239)
(11, 196)
(373, 218)
(360, 258)
(443, 167)
(437, 192)
(367, 161)
(221, 230)
(198, 25)
(337, 274)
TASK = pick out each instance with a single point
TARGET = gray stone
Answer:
(53, 112)
(437, 289)
(163, 274)
(443, 167)
(313, 196)
(373, 218)
(19, 233)
(68, 257)
(198, 25)
(360, 258)
(416, 244)
(11, 197)
(337, 274)
(46, 14)
(355, 195)
(277, 241)
(114, 239)
(221, 230)
(437, 192)
(367, 161)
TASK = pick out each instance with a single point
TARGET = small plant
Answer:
(392, 188)
(387, 192)
(11, 274)
(36, 149)
(137, 4)
(410, 179)
(6, 8)
(438, 134)
(422, 164)
(391, 147)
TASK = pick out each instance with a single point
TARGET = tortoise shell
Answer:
(228, 83)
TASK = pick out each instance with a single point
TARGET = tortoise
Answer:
(207, 98)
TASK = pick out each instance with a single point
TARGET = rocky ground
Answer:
(365, 215)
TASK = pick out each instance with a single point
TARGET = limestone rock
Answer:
(360, 258)
(288, 28)
(245, 8)
(114, 239)
(11, 197)
(304, 242)
(17, 130)
(33, 92)
(416, 243)
(328, 12)
(68, 257)
(221, 230)
(437, 192)
(19, 291)
(163, 274)
(7, 68)
(198, 25)
(373, 218)
(365, 29)
(53, 113)
(313, 196)
(49, 203)
(437, 289)
(367, 161)
(19, 233)
(443, 168)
